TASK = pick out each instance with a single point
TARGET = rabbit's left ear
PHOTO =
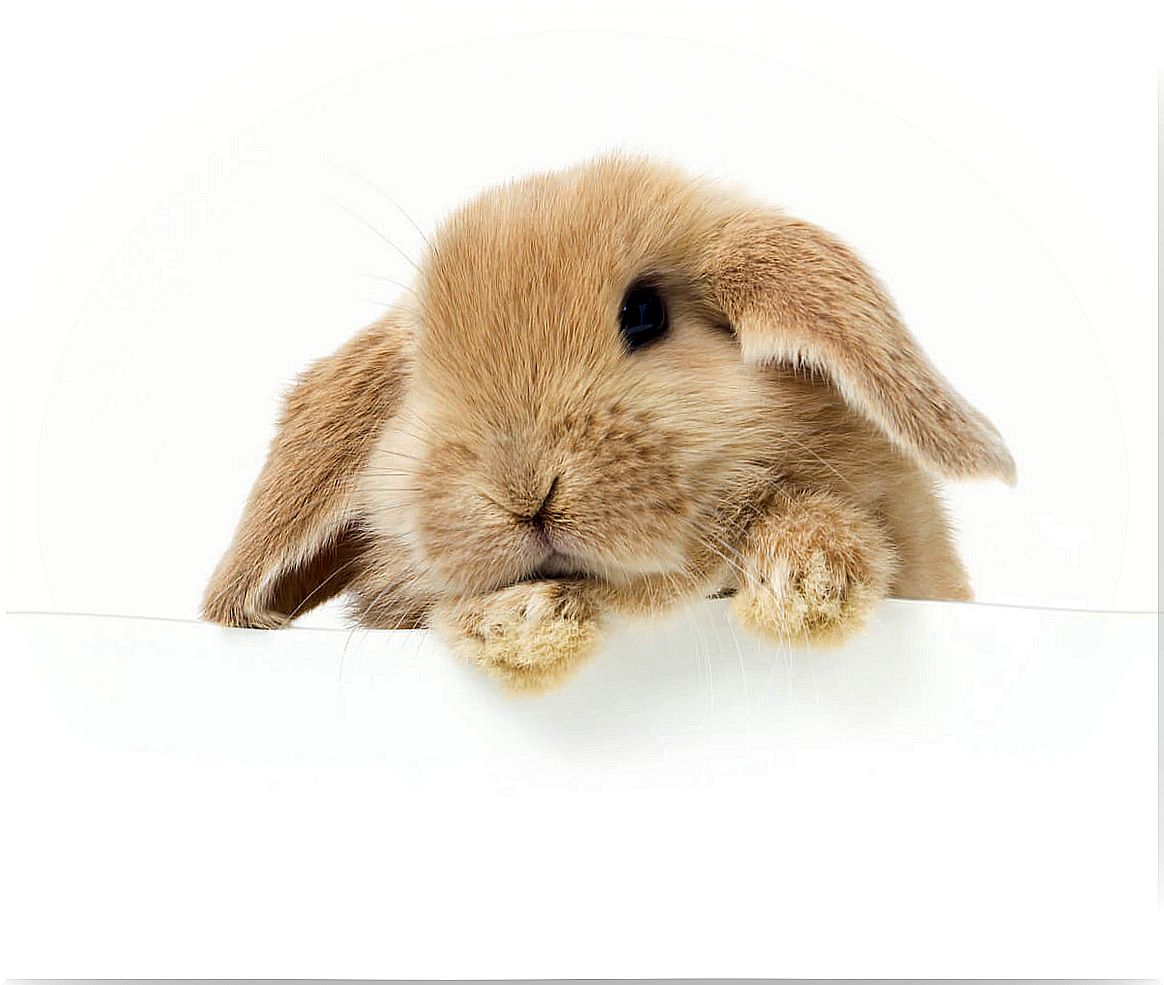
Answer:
(796, 295)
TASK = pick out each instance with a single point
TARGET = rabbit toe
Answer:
(813, 573)
(530, 635)
(816, 601)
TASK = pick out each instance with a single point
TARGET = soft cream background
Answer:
(967, 792)
(184, 244)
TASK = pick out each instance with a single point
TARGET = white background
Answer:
(178, 243)
(181, 238)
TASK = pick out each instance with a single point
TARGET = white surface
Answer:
(966, 791)
(175, 256)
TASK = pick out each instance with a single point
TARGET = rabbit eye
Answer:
(643, 317)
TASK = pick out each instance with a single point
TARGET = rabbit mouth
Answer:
(558, 565)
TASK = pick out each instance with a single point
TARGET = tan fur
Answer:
(491, 460)
(816, 564)
(299, 513)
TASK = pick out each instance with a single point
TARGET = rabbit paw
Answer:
(813, 573)
(530, 635)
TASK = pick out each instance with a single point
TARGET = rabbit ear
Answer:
(796, 295)
(299, 541)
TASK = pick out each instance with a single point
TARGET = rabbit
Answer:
(613, 389)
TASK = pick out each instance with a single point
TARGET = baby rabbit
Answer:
(612, 389)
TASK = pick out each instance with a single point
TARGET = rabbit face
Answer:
(551, 427)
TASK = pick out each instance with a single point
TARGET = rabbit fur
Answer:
(492, 460)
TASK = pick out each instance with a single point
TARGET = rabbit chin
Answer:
(535, 555)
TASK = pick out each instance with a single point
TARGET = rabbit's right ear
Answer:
(299, 541)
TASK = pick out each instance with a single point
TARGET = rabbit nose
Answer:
(537, 515)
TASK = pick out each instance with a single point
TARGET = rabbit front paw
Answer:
(812, 573)
(530, 635)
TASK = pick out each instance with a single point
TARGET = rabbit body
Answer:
(611, 390)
